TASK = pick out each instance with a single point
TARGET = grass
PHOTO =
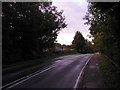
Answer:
(110, 75)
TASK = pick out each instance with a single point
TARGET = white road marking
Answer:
(18, 81)
(26, 78)
(79, 76)
(10, 85)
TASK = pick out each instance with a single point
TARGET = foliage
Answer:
(88, 48)
(80, 44)
(29, 29)
(104, 19)
(111, 78)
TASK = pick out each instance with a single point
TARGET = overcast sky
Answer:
(74, 11)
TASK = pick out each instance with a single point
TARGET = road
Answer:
(64, 72)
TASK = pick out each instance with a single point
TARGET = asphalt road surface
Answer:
(64, 72)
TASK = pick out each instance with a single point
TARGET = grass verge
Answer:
(110, 75)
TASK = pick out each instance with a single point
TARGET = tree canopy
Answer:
(79, 42)
(82, 45)
(29, 28)
(104, 19)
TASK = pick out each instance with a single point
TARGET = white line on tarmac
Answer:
(37, 73)
(28, 77)
(77, 81)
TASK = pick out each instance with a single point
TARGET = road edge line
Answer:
(18, 81)
(79, 76)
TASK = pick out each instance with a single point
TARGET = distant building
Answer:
(58, 47)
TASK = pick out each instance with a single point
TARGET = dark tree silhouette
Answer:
(104, 19)
(79, 42)
(29, 28)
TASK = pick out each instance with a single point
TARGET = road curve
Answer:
(62, 73)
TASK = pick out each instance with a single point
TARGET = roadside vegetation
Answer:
(29, 33)
(104, 20)
(45, 57)
(79, 44)
(110, 74)
(29, 30)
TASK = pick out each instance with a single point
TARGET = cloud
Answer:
(74, 11)
(65, 38)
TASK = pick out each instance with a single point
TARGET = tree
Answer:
(29, 28)
(104, 19)
(79, 42)
(88, 48)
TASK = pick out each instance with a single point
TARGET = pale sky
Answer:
(74, 11)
